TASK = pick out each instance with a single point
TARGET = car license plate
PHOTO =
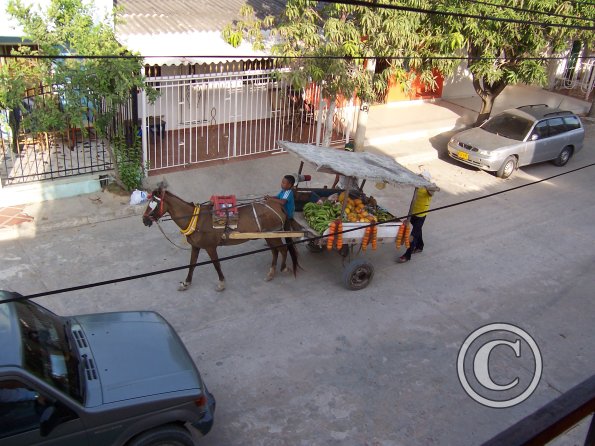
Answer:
(463, 155)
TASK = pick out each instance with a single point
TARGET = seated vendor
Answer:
(285, 196)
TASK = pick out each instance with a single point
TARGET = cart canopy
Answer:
(363, 165)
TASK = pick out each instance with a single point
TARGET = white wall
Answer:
(459, 85)
(189, 102)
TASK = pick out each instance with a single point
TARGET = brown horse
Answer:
(253, 217)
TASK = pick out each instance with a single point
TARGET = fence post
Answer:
(143, 129)
(321, 104)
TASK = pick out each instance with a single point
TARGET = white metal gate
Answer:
(208, 117)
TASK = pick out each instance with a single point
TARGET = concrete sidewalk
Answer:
(411, 132)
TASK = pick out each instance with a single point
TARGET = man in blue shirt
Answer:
(285, 196)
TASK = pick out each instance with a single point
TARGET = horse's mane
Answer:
(181, 199)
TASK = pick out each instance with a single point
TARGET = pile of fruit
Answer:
(357, 210)
(319, 216)
(362, 210)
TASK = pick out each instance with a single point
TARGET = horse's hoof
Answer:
(285, 270)
(183, 286)
(268, 278)
(220, 286)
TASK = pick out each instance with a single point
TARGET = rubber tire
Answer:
(505, 171)
(564, 156)
(313, 247)
(164, 436)
(358, 274)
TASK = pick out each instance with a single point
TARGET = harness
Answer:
(193, 221)
(192, 224)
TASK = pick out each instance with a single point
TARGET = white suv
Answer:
(518, 137)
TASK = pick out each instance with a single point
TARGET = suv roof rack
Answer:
(559, 113)
(532, 105)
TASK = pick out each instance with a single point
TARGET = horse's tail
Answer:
(294, 255)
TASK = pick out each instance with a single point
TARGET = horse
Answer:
(196, 222)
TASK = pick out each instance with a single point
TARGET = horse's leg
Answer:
(212, 252)
(193, 258)
(275, 252)
(283, 250)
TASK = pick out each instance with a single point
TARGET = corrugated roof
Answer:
(187, 48)
(183, 16)
(363, 165)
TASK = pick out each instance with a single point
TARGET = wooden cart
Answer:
(354, 166)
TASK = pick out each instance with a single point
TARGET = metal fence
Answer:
(196, 118)
(217, 116)
(580, 77)
(38, 156)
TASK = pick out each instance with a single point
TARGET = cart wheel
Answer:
(358, 274)
(313, 247)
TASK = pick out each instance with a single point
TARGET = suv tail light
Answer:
(201, 401)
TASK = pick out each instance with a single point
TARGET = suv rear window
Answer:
(509, 126)
(572, 122)
(556, 126)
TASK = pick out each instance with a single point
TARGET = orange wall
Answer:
(395, 91)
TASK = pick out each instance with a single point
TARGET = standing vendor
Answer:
(418, 211)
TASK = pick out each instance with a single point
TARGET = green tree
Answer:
(77, 86)
(16, 76)
(417, 44)
(502, 53)
(333, 40)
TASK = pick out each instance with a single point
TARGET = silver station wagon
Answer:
(518, 137)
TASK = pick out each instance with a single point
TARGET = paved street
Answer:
(303, 361)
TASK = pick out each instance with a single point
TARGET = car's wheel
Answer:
(164, 436)
(564, 156)
(312, 246)
(358, 274)
(507, 168)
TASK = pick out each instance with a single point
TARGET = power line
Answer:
(258, 251)
(453, 14)
(270, 56)
(534, 11)
(581, 3)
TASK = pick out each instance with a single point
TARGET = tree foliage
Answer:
(69, 92)
(66, 27)
(417, 44)
(503, 53)
(334, 39)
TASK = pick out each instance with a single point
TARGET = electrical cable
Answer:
(453, 14)
(270, 56)
(581, 3)
(258, 251)
(533, 11)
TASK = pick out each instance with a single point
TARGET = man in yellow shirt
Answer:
(419, 209)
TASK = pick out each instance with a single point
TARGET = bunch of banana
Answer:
(382, 214)
(319, 216)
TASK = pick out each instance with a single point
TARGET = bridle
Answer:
(155, 211)
(154, 203)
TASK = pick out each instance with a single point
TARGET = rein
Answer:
(168, 239)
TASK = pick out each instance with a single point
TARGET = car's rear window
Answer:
(509, 126)
(556, 126)
(572, 122)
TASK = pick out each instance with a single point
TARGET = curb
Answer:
(32, 229)
(411, 136)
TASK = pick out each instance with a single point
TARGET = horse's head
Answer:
(156, 207)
